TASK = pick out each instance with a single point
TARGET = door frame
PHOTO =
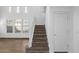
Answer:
(55, 12)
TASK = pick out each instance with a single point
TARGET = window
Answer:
(9, 29)
(9, 26)
(19, 25)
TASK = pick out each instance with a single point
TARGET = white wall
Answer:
(31, 25)
(49, 30)
(50, 25)
(38, 14)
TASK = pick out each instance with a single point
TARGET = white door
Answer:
(61, 29)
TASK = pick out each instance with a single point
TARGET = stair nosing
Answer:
(39, 34)
(40, 42)
(37, 52)
(36, 47)
(40, 38)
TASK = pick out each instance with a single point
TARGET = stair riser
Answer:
(46, 49)
(37, 52)
(40, 27)
(39, 45)
(39, 32)
(39, 36)
(39, 40)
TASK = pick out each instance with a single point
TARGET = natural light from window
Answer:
(18, 10)
(10, 8)
(25, 9)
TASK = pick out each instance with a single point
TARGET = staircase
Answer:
(39, 43)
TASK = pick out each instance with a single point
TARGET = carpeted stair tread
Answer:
(39, 32)
(41, 35)
(40, 40)
(38, 49)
